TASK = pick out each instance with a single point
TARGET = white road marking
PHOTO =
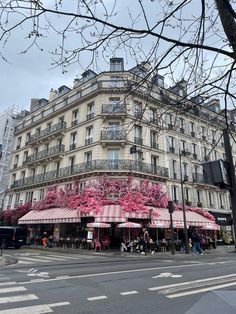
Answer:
(52, 258)
(71, 257)
(24, 262)
(35, 309)
(18, 298)
(63, 277)
(129, 271)
(129, 292)
(166, 275)
(8, 283)
(12, 289)
(31, 259)
(189, 282)
(177, 295)
(58, 304)
(101, 297)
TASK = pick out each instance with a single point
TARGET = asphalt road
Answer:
(45, 282)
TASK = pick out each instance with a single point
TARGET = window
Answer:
(22, 175)
(16, 161)
(153, 116)
(113, 154)
(90, 110)
(29, 196)
(114, 100)
(88, 157)
(73, 137)
(49, 125)
(182, 124)
(59, 142)
(17, 199)
(171, 144)
(74, 117)
(72, 161)
(41, 194)
(27, 137)
(174, 194)
(183, 145)
(38, 131)
(33, 172)
(116, 81)
(18, 143)
(154, 143)
(116, 64)
(192, 127)
(198, 197)
(138, 109)
(211, 200)
(138, 134)
(185, 169)
(61, 120)
(25, 156)
(174, 168)
(13, 177)
(89, 135)
(155, 163)
(44, 168)
(57, 166)
(10, 200)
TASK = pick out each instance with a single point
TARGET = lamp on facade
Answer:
(184, 153)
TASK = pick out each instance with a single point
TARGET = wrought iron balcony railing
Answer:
(61, 126)
(102, 165)
(114, 109)
(200, 178)
(138, 140)
(113, 135)
(55, 150)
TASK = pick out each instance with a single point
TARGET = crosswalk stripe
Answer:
(18, 298)
(35, 309)
(101, 297)
(34, 259)
(65, 257)
(8, 283)
(12, 289)
(129, 292)
(24, 262)
(177, 295)
(52, 258)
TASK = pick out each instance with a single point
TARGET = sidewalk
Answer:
(8, 259)
(116, 252)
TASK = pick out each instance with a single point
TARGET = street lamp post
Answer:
(183, 201)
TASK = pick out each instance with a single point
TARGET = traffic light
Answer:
(133, 149)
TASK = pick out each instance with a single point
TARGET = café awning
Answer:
(111, 213)
(192, 218)
(51, 215)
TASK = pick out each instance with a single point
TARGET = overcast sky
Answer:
(31, 75)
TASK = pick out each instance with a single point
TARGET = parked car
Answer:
(12, 236)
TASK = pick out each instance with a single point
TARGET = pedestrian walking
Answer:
(196, 248)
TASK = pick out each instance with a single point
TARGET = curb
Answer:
(7, 260)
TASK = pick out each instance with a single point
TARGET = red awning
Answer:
(192, 218)
(51, 215)
(111, 213)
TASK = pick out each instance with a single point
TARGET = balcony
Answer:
(74, 123)
(72, 146)
(114, 110)
(52, 152)
(54, 130)
(195, 156)
(138, 141)
(200, 178)
(171, 150)
(88, 141)
(113, 136)
(154, 120)
(154, 145)
(138, 114)
(90, 116)
(100, 165)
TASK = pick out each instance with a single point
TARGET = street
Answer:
(45, 282)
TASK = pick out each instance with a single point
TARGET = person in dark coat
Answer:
(196, 238)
